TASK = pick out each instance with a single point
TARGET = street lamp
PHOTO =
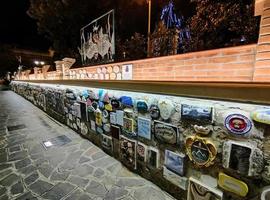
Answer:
(149, 27)
(37, 62)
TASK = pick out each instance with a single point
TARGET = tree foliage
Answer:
(219, 23)
(212, 23)
(61, 20)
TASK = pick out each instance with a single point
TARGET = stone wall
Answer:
(178, 143)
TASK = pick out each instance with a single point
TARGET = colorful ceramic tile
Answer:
(202, 130)
(108, 107)
(166, 108)
(196, 113)
(198, 190)
(113, 118)
(105, 116)
(127, 72)
(177, 180)
(201, 151)
(128, 125)
(233, 185)
(242, 157)
(115, 103)
(107, 128)
(238, 124)
(142, 106)
(153, 157)
(261, 115)
(141, 152)
(165, 133)
(98, 115)
(144, 128)
(154, 112)
(126, 101)
(128, 152)
(120, 117)
(175, 162)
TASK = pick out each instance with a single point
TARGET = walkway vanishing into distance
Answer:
(77, 171)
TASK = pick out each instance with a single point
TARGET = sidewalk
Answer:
(77, 170)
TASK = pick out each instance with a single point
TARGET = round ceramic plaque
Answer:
(238, 124)
(116, 69)
(166, 108)
(109, 69)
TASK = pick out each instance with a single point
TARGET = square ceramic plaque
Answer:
(144, 128)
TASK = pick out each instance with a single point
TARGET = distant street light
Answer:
(39, 62)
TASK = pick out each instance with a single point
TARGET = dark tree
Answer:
(61, 20)
(8, 61)
(221, 23)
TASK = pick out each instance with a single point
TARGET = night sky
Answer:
(18, 29)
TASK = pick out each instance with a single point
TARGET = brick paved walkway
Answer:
(77, 170)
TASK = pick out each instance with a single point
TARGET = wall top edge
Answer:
(256, 93)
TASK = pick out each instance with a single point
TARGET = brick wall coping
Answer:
(257, 93)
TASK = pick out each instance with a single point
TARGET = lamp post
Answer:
(149, 27)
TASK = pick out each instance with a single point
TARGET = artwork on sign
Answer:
(242, 157)
(198, 190)
(141, 152)
(107, 143)
(144, 128)
(153, 157)
(175, 162)
(97, 40)
(127, 72)
(238, 124)
(128, 152)
(177, 180)
(83, 111)
(201, 151)
(233, 185)
(128, 126)
(197, 113)
(115, 131)
(165, 133)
